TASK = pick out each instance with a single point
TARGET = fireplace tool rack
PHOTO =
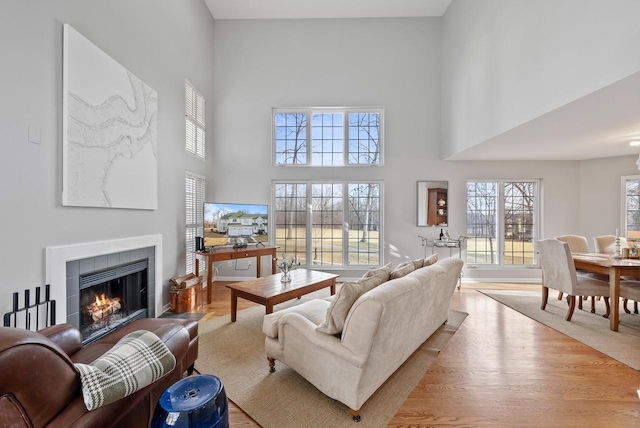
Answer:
(44, 310)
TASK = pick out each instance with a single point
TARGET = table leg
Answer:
(258, 266)
(273, 262)
(269, 308)
(209, 279)
(332, 287)
(614, 297)
(234, 305)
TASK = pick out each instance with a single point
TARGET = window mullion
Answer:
(346, 227)
(309, 114)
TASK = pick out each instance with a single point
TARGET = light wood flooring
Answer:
(502, 369)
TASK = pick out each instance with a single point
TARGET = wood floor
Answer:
(502, 369)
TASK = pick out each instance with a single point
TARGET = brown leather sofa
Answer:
(40, 386)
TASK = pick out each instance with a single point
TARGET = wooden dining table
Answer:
(615, 268)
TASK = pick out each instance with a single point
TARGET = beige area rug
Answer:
(590, 329)
(234, 352)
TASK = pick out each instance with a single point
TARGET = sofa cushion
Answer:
(385, 271)
(430, 260)
(314, 310)
(337, 312)
(372, 282)
(136, 361)
(402, 269)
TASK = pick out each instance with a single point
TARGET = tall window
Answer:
(327, 137)
(194, 121)
(631, 208)
(334, 224)
(502, 222)
(194, 202)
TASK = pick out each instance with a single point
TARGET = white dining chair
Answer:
(606, 244)
(559, 273)
(579, 244)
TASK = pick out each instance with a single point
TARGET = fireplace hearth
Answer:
(112, 297)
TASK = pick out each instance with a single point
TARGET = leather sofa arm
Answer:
(66, 336)
(37, 376)
(327, 342)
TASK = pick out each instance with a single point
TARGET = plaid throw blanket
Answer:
(137, 360)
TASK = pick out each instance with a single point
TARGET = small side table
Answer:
(457, 244)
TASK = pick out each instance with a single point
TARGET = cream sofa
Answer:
(382, 329)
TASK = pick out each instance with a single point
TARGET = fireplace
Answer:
(112, 297)
(66, 263)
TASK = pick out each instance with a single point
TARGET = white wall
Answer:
(506, 62)
(162, 42)
(265, 64)
(601, 194)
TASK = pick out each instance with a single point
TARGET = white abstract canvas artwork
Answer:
(109, 131)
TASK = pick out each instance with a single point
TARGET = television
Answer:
(235, 224)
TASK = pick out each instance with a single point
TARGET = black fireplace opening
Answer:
(111, 298)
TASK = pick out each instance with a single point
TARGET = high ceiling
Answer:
(296, 9)
(598, 125)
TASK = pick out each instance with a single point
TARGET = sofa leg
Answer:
(355, 414)
(272, 365)
(190, 369)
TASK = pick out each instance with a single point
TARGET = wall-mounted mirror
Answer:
(433, 203)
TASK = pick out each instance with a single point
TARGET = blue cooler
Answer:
(197, 401)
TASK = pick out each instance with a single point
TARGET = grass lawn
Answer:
(326, 247)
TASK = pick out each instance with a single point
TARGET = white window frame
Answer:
(345, 230)
(195, 121)
(345, 111)
(194, 215)
(623, 205)
(500, 225)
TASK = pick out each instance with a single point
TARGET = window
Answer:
(631, 206)
(194, 203)
(327, 137)
(329, 223)
(194, 121)
(502, 222)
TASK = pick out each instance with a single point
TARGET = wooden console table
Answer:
(221, 254)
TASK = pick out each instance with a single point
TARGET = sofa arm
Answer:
(308, 331)
(38, 378)
(66, 336)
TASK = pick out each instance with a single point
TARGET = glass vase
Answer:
(286, 276)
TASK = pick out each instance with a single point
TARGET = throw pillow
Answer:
(337, 312)
(372, 282)
(417, 264)
(430, 260)
(136, 361)
(384, 270)
(402, 269)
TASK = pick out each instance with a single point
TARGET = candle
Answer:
(617, 232)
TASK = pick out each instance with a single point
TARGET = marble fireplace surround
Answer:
(57, 258)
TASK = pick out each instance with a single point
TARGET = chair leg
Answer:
(545, 297)
(272, 365)
(635, 308)
(572, 306)
(559, 295)
(624, 306)
(606, 303)
(580, 302)
(593, 304)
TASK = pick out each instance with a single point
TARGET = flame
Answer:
(102, 300)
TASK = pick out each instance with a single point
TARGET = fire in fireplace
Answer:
(112, 297)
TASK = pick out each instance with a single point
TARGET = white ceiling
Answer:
(598, 125)
(296, 9)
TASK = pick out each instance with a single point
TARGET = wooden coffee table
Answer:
(269, 291)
